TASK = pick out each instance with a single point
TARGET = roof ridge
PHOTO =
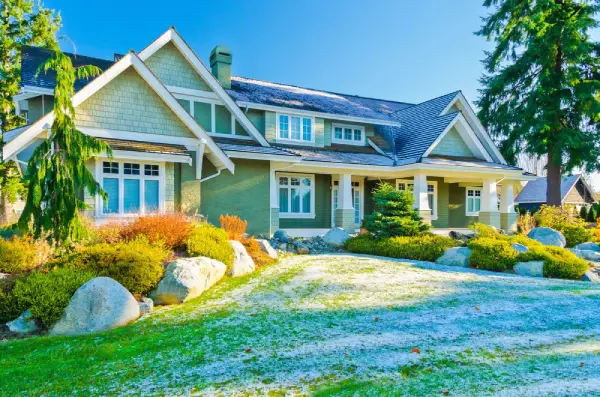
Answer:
(328, 92)
(429, 100)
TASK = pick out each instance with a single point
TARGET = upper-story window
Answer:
(295, 128)
(348, 134)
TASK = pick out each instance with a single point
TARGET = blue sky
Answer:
(405, 50)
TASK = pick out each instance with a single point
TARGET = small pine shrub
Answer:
(395, 215)
(591, 215)
(234, 226)
(259, 257)
(138, 264)
(494, 254)
(22, 254)
(565, 221)
(422, 248)
(47, 294)
(558, 262)
(583, 213)
(212, 242)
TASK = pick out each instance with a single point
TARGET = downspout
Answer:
(212, 176)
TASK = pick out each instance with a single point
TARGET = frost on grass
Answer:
(309, 323)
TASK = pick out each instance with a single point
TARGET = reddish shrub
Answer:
(234, 226)
(259, 257)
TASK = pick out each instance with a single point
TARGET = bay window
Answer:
(294, 128)
(296, 195)
(348, 134)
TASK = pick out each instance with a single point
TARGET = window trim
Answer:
(352, 142)
(289, 139)
(361, 190)
(467, 200)
(290, 215)
(121, 176)
(434, 210)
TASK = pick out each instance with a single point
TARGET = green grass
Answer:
(333, 326)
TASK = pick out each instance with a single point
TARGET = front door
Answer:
(357, 202)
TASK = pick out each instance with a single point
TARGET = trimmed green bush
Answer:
(558, 262)
(494, 254)
(9, 307)
(422, 248)
(47, 294)
(565, 221)
(136, 264)
(583, 212)
(22, 254)
(211, 242)
(592, 215)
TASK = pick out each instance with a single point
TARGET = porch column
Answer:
(508, 217)
(421, 198)
(344, 214)
(273, 201)
(489, 203)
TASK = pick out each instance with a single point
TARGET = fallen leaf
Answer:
(247, 349)
(416, 350)
(376, 318)
(581, 364)
(445, 391)
(476, 307)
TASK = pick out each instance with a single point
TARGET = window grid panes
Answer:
(131, 169)
(295, 128)
(473, 201)
(295, 195)
(151, 170)
(129, 191)
(347, 134)
(109, 167)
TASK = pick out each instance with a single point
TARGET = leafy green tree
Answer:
(395, 215)
(583, 212)
(22, 22)
(541, 90)
(57, 169)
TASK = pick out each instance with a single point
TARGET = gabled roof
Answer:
(535, 190)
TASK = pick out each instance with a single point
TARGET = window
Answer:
(356, 201)
(404, 185)
(348, 134)
(215, 118)
(295, 128)
(473, 201)
(129, 191)
(296, 195)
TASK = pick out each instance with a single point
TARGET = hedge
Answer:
(422, 248)
(211, 242)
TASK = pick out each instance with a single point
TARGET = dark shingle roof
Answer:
(136, 146)
(289, 96)
(535, 191)
(334, 156)
(33, 57)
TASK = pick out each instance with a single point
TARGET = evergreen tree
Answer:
(541, 90)
(583, 212)
(21, 23)
(56, 170)
(395, 215)
(592, 215)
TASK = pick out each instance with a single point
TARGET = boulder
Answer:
(187, 278)
(336, 237)
(530, 269)
(283, 246)
(301, 249)
(587, 247)
(460, 236)
(98, 305)
(242, 262)
(265, 247)
(592, 275)
(548, 236)
(588, 255)
(282, 236)
(520, 248)
(146, 306)
(25, 324)
(457, 256)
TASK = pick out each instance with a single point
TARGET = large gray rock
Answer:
(301, 249)
(548, 236)
(146, 306)
(588, 255)
(282, 236)
(265, 247)
(587, 247)
(187, 278)
(520, 248)
(457, 256)
(336, 237)
(463, 237)
(98, 305)
(242, 262)
(592, 275)
(25, 324)
(530, 269)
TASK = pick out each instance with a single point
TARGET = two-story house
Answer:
(186, 137)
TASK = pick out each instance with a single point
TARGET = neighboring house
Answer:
(573, 191)
(279, 156)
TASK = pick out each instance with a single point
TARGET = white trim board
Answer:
(98, 83)
(173, 36)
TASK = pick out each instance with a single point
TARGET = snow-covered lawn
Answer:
(337, 325)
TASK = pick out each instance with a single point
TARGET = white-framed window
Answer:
(296, 194)
(357, 201)
(133, 187)
(348, 134)
(473, 201)
(432, 194)
(295, 128)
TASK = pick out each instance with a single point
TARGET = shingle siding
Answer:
(128, 103)
(173, 69)
(453, 145)
(169, 187)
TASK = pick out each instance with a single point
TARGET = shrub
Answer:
(565, 221)
(259, 257)
(558, 262)
(591, 215)
(9, 307)
(492, 254)
(395, 215)
(136, 264)
(525, 222)
(22, 254)
(423, 248)
(483, 230)
(48, 294)
(583, 213)
(234, 226)
(212, 242)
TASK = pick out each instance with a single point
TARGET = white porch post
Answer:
(273, 201)
(508, 217)
(421, 197)
(489, 203)
(344, 214)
